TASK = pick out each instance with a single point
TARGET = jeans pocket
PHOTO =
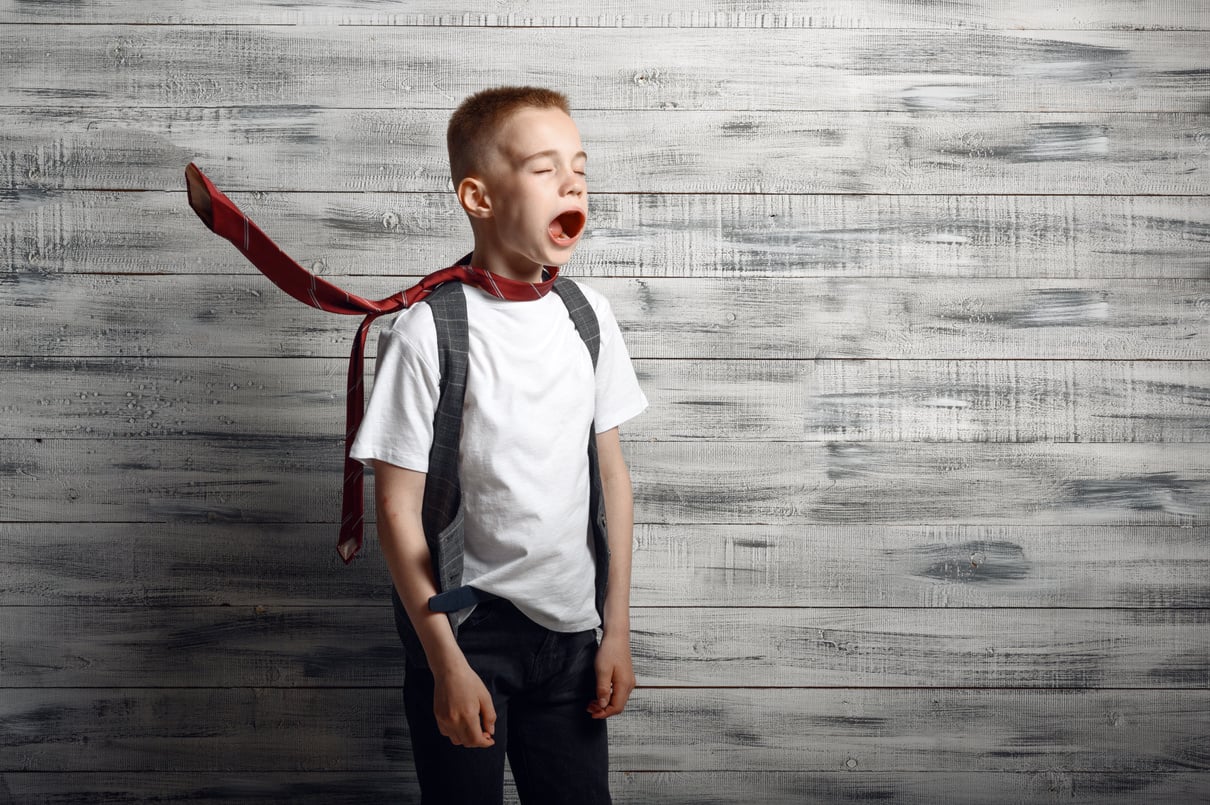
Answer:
(477, 616)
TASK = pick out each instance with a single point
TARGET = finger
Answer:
(463, 731)
(471, 737)
(618, 703)
(477, 739)
(617, 700)
(621, 695)
(611, 710)
(604, 688)
(488, 714)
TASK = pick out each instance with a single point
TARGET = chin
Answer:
(559, 256)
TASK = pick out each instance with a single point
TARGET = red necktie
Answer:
(228, 221)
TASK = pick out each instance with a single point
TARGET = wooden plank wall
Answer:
(919, 292)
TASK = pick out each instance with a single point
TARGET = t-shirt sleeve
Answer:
(619, 396)
(398, 423)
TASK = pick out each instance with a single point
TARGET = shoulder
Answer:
(411, 331)
(413, 323)
(603, 310)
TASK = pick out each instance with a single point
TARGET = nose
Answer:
(574, 183)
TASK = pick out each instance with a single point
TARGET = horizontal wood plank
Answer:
(64, 647)
(245, 315)
(864, 730)
(305, 147)
(620, 68)
(831, 14)
(717, 400)
(627, 787)
(210, 479)
(863, 565)
(369, 238)
(930, 566)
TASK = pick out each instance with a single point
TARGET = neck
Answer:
(526, 272)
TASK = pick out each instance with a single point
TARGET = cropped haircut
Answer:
(480, 117)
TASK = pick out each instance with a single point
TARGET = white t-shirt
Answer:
(523, 463)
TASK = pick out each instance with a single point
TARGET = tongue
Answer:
(566, 226)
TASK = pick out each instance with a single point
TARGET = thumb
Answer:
(604, 688)
(488, 714)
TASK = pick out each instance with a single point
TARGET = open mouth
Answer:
(567, 227)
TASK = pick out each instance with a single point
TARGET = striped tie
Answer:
(226, 220)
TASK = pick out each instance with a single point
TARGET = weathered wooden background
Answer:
(919, 292)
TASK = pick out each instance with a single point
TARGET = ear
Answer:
(472, 195)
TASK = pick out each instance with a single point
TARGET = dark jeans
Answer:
(541, 683)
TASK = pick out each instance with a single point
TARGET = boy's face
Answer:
(535, 181)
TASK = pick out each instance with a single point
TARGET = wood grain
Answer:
(245, 315)
(272, 147)
(627, 787)
(93, 646)
(624, 69)
(242, 480)
(875, 565)
(706, 400)
(367, 238)
(918, 292)
(831, 14)
(861, 565)
(289, 730)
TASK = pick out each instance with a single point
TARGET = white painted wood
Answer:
(272, 147)
(719, 400)
(685, 565)
(621, 68)
(881, 482)
(290, 730)
(246, 315)
(866, 14)
(633, 787)
(917, 290)
(707, 400)
(702, 646)
(384, 236)
(950, 565)
(833, 483)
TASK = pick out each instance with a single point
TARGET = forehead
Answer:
(530, 130)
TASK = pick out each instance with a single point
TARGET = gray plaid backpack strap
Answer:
(585, 320)
(442, 514)
(582, 315)
(442, 510)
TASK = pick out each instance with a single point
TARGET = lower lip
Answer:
(562, 241)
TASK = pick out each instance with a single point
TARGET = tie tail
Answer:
(218, 213)
(201, 192)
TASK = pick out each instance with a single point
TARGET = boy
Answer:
(523, 676)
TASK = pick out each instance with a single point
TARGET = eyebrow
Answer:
(551, 152)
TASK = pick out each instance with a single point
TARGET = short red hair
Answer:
(478, 118)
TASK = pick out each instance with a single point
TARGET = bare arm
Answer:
(461, 703)
(615, 671)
